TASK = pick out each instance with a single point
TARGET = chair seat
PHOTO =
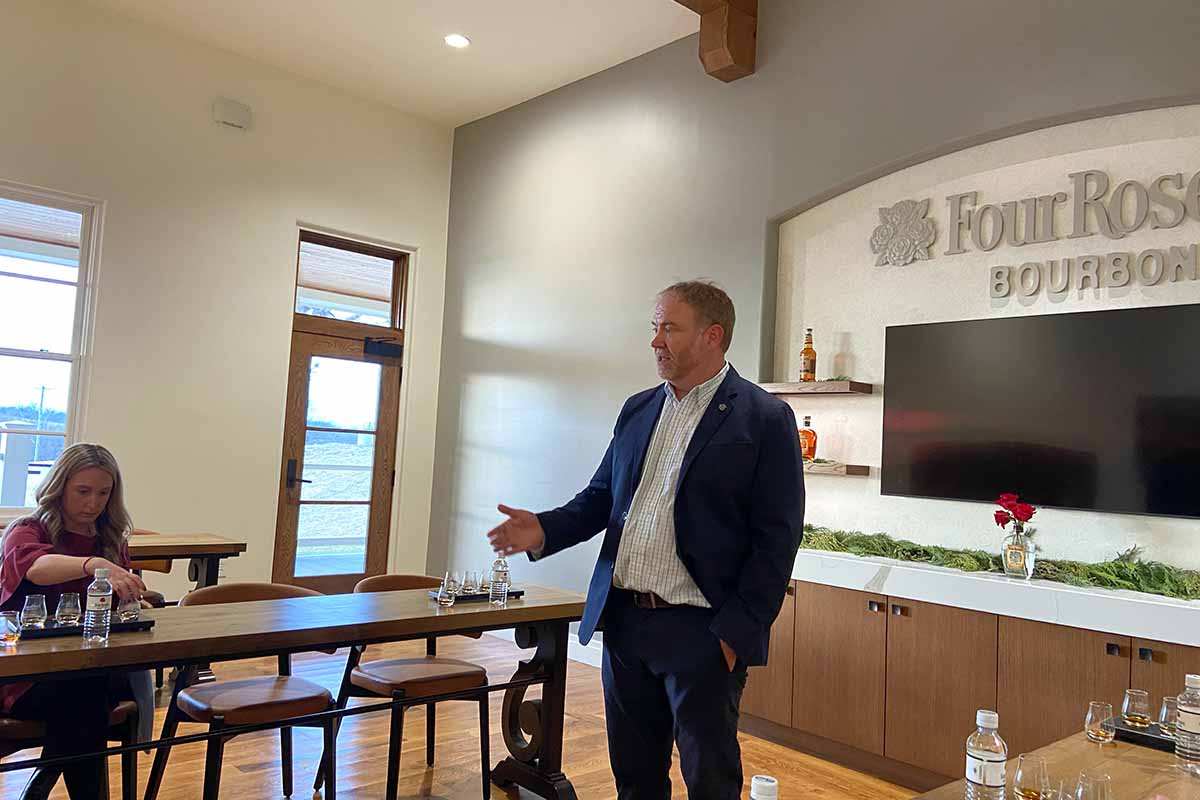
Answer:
(418, 677)
(254, 700)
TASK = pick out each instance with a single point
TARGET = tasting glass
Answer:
(1136, 708)
(485, 579)
(1168, 715)
(10, 627)
(1093, 786)
(470, 583)
(1031, 780)
(68, 612)
(129, 610)
(448, 591)
(1099, 725)
(33, 615)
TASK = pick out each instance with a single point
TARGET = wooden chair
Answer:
(19, 734)
(423, 676)
(246, 702)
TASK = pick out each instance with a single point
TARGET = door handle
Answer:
(292, 480)
(875, 606)
(1112, 649)
(1145, 654)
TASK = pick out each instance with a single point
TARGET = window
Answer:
(42, 302)
(349, 281)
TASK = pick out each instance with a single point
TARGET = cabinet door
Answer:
(768, 692)
(941, 668)
(1160, 668)
(1049, 674)
(840, 665)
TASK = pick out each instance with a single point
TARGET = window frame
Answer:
(83, 327)
(392, 333)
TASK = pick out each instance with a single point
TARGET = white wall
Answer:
(197, 268)
(828, 280)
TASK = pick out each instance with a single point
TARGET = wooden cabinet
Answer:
(840, 665)
(941, 668)
(1049, 673)
(768, 692)
(1160, 668)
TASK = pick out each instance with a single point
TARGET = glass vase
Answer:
(1020, 554)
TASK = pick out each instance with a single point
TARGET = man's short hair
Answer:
(711, 304)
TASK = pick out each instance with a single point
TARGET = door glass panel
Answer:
(332, 540)
(24, 462)
(35, 315)
(338, 464)
(343, 394)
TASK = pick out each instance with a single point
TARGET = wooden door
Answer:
(338, 466)
(1160, 668)
(768, 691)
(1049, 673)
(941, 668)
(840, 665)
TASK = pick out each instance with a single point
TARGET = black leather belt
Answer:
(650, 600)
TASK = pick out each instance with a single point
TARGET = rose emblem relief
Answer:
(903, 234)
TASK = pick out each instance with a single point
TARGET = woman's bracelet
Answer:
(86, 574)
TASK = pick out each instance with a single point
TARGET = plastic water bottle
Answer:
(986, 754)
(1187, 729)
(764, 787)
(98, 615)
(499, 591)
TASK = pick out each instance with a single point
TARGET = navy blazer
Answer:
(739, 508)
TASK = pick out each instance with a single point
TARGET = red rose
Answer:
(1007, 501)
(1023, 511)
(1001, 518)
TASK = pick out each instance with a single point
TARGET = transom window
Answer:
(350, 281)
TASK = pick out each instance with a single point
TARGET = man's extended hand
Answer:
(730, 656)
(520, 533)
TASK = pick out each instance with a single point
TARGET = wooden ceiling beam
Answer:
(728, 36)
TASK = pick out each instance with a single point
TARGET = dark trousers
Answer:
(76, 716)
(666, 681)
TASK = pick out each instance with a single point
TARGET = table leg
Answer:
(533, 729)
(204, 570)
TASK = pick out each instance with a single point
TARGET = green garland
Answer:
(1126, 571)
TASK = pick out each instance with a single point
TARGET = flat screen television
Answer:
(1093, 410)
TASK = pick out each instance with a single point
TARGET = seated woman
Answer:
(80, 525)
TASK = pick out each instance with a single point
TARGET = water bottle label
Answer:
(99, 602)
(1189, 720)
(985, 773)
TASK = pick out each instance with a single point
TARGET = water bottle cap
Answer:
(987, 719)
(764, 787)
(1192, 681)
(101, 572)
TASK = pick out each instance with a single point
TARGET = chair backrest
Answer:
(397, 583)
(244, 592)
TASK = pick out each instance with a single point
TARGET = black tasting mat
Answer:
(1151, 737)
(53, 629)
(478, 596)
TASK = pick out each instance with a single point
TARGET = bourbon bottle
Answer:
(808, 359)
(808, 441)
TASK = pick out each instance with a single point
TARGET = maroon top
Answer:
(23, 545)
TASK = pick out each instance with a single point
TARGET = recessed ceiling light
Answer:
(457, 40)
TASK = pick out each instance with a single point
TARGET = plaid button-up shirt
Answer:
(646, 558)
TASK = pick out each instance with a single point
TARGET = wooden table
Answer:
(533, 730)
(1138, 773)
(204, 549)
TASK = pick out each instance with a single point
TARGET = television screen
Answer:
(1096, 410)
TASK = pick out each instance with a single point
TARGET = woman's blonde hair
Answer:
(112, 527)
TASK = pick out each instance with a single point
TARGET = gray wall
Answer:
(569, 211)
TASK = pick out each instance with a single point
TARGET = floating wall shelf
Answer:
(819, 387)
(834, 468)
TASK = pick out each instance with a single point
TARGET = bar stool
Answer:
(246, 702)
(19, 734)
(423, 676)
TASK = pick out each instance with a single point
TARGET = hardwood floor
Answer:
(251, 768)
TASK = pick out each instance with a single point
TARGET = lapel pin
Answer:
(722, 407)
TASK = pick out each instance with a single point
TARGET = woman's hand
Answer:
(126, 585)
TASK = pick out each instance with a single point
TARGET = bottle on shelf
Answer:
(808, 440)
(498, 593)
(986, 755)
(808, 359)
(97, 616)
(1187, 728)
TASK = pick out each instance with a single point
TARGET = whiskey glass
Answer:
(1093, 786)
(448, 591)
(33, 615)
(1136, 709)
(129, 609)
(1168, 716)
(1031, 780)
(1099, 725)
(470, 583)
(68, 612)
(10, 627)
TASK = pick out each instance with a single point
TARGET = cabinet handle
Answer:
(874, 605)
(1112, 649)
(899, 610)
(1145, 654)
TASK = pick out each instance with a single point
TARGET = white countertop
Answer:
(1146, 616)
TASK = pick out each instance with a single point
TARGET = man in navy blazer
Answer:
(701, 498)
